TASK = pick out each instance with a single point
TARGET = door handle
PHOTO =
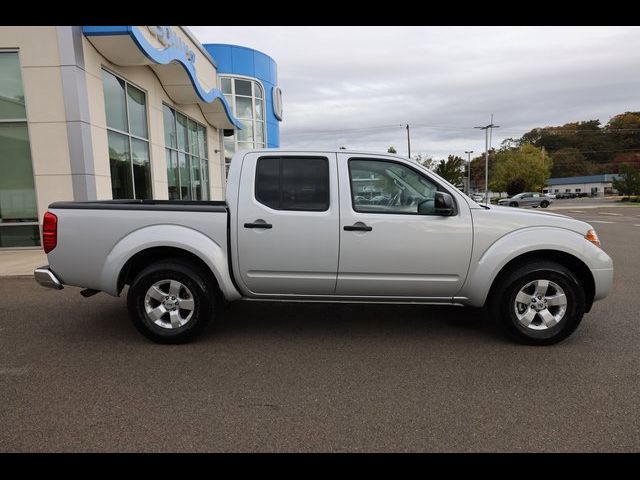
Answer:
(258, 224)
(358, 227)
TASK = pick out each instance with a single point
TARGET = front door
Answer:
(388, 248)
(287, 224)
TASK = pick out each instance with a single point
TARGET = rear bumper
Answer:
(45, 277)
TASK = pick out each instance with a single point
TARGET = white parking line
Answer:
(636, 224)
(605, 213)
(575, 211)
(599, 221)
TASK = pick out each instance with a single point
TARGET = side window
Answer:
(378, 186)
(293, 183)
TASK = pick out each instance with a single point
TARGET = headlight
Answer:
(592, 236)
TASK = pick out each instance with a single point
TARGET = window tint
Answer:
(389, 187)
(293, 183)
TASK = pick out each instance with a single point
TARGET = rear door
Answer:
(287, 223)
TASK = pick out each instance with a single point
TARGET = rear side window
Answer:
(293, 183)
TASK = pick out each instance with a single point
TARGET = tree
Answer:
(452, 170)
(520, 169)
(477, 170)
(425, 161)
(629, 181)
(569, 162)
(392, 149)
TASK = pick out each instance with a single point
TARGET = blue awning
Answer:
(174, 61)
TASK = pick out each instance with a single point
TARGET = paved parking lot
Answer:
(76, 376)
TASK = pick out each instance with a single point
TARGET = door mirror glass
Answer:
(444, 204)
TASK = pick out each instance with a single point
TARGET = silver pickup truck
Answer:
(330, 226)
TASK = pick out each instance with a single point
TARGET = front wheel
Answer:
(538, 303)
(171, 301)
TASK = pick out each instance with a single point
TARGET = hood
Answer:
(508, 219)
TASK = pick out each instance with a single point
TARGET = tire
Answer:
(504, 309)
(544, 204)
(513, 204)
(195, 291)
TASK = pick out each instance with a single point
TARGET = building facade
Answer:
(249, 80)
(110, 112)
(592, 185)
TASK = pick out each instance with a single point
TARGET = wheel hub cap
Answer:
(540, 304)
(169, 304)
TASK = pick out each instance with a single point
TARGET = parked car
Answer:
(293, 229)
(552, 196)
(527, 199)
(477, 197)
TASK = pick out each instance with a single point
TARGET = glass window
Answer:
(293, 183)
(202, 141)
(257, 90)
(225, 84)
(141, 168)
(243, 87)
(259, 136)
(388, 187)
(244, 108)
(114, 101)
(119, 160)
(246, 134)
(187, 165)
(136, 103)
(126, 111)
(246, 99)
(182, 132)
(169, 127)
(11, 93)
(268, 181)
(183, 171)
(172, 174)
(18, 209)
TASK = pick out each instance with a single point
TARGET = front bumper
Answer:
(603, 279)
(45, 277)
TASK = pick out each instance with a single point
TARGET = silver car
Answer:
(527, 199)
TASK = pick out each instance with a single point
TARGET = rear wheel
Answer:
(171, 301)
(513, 204)
(544, 204)
(538, 303)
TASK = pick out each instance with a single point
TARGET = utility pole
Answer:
(486, 129)
(469, 171)
(408, 141)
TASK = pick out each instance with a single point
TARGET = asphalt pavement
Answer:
(76, 376)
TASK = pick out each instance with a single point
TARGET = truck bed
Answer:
(96, 238)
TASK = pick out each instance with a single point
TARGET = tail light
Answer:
(49, 232)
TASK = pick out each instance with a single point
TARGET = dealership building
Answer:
(117, 112)
(592, 185)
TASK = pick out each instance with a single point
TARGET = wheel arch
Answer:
(573, 263)
(158, 242)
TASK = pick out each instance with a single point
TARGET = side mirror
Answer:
(444, 204)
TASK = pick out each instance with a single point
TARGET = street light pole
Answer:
(469, 171)
(486, 129)
(408, 141)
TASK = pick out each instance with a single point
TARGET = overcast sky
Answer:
(355, 86)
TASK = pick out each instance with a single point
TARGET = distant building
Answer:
(594, 185)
